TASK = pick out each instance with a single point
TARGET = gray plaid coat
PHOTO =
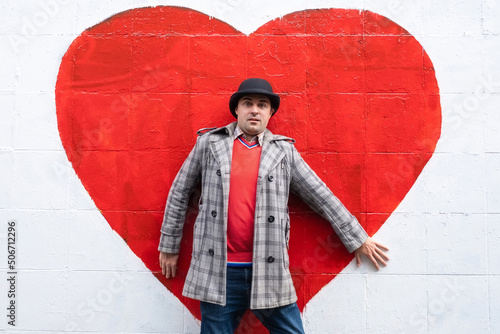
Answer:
(281, 169)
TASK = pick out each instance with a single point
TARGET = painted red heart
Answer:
(359, 95)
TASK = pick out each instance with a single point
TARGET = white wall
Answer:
(74, 273)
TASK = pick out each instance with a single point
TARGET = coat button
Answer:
(270, 259)
(270, 219)
(270, 178)
(211, 252)
(218, 172)
(214, 213)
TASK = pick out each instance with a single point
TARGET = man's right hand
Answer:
(168, 264)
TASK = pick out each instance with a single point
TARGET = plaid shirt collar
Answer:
(238, 132)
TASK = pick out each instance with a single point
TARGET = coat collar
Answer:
(222, 149)
(268, 135)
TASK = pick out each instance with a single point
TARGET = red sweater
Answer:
(242, 196)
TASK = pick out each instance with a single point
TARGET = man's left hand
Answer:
(374, 251)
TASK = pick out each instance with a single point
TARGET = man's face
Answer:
(254, 112)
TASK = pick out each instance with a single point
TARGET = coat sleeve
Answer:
(178, 199)
(306, 184)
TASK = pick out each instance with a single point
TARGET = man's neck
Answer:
(249, 138)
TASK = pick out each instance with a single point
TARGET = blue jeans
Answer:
(217, 319)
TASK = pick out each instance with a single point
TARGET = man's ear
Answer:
(236, 111)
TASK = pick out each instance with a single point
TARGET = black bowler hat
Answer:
(254, 86)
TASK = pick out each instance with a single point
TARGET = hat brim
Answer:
(235, 98)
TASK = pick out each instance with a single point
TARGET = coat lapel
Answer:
(222, 151)
(270, 156)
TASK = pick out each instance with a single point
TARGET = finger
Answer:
(162, 266)
(167, 271)
(374, 261)
(358, 260)
(382, 254)
(174, 269)
(379, 245)
(380, 259)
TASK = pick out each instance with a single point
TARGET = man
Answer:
(240, 237)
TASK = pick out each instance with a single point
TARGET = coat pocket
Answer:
(286, 228)
(199, 233)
